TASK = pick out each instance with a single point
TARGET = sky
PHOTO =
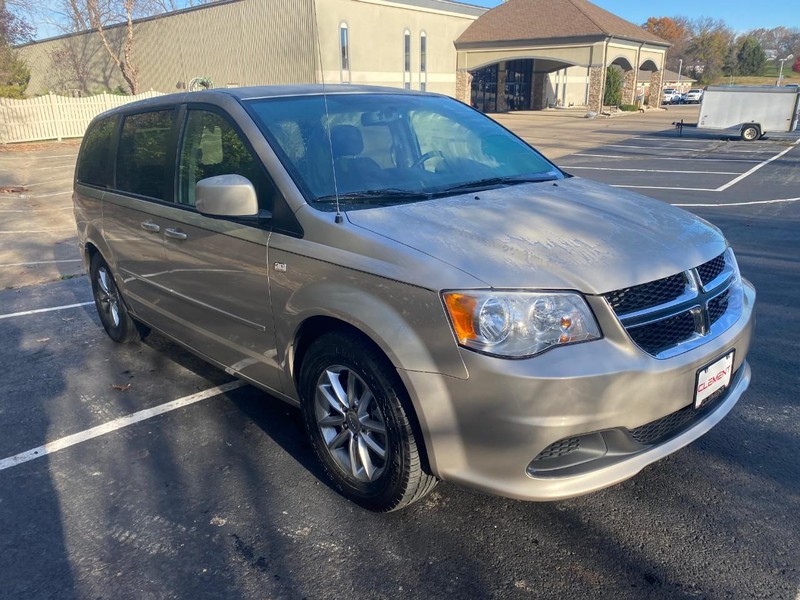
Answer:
(740, 15)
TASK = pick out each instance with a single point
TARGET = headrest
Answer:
(346, 141)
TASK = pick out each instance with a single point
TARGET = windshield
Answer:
(383, 149)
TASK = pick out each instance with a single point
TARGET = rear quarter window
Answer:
(96, 161)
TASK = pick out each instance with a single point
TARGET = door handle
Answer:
(175, 234)
(149, 226)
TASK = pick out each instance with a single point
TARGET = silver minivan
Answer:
(439, 299)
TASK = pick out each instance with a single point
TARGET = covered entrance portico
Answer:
(535, 54)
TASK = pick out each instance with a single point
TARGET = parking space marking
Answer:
(2, 158)
(37, 209)
(692, 159)
(756, 168)
(650, 147)
(119, 423)
(52, 194)
(658, 187)
(749, 203)
(655, 170)
(37, 311)
(41, 262)
(40, 230)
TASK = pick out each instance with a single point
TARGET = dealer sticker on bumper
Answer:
(713, 377)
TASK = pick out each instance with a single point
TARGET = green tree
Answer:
(750, 58)
(708, 47)
(614, 82)
(14, 73)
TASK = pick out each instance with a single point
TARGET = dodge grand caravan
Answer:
(439, 299)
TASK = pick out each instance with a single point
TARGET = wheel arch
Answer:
(315, 327)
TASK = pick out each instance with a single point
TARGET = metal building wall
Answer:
(240, 42)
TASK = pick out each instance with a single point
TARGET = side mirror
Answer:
(226, 196)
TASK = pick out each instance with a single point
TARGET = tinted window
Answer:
(95, 165)
(142, 158)
(211, 147)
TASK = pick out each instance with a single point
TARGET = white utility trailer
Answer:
(749, 111)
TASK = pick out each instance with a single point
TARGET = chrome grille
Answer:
(674, 314)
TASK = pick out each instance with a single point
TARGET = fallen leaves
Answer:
(121, 388)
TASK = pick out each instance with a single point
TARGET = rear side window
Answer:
(143, 157)
(96, 162)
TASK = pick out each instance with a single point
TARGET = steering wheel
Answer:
(426, 157)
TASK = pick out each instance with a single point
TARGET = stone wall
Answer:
(596, 91)
(655, 88)
(629, 87)
(464, 86)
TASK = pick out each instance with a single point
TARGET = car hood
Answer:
(569, 234)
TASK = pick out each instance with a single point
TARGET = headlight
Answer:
(519, 324)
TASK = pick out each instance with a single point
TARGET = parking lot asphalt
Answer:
(109, 491)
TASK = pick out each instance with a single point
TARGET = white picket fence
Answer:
(55, 117)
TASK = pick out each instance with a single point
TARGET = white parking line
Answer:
(756, 168)
(646, 157)
(658, 187)
(656, 171)
(41, 262)
(38, 209)
(725, 204)
(35, 195)
(40, 230)
(3, 157)
(127, 420)
(650, 147)
(37, 311)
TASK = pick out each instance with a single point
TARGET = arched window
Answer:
(407, 59)
(423, 61)
(344, 51)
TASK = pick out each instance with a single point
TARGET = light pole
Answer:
(680, 68)
(780, 74)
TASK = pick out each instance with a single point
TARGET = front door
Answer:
(218, 276)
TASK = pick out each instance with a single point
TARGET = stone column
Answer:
(655, 89)
(464, 86)
(596, 91)
(502, 105)
(538, 91)
(629, 87)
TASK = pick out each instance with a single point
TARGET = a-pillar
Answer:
(629, 87)
(464, 86)
(596, 91)
(655, 89)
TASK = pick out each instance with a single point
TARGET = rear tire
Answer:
(356, 411)
(110, 305)
(750, 133)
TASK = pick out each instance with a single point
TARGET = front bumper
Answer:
(485, 431)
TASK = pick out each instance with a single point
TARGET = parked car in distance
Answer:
(670, 96)
(694, 96)
(439, 299)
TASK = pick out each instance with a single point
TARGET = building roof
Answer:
(666, 75)
(551, 19)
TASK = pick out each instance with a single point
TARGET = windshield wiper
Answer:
(373, 195)
(492, 181)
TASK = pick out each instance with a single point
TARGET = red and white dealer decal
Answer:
(712, 378)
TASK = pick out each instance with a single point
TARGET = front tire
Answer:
(110, 305)
(356, 412)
